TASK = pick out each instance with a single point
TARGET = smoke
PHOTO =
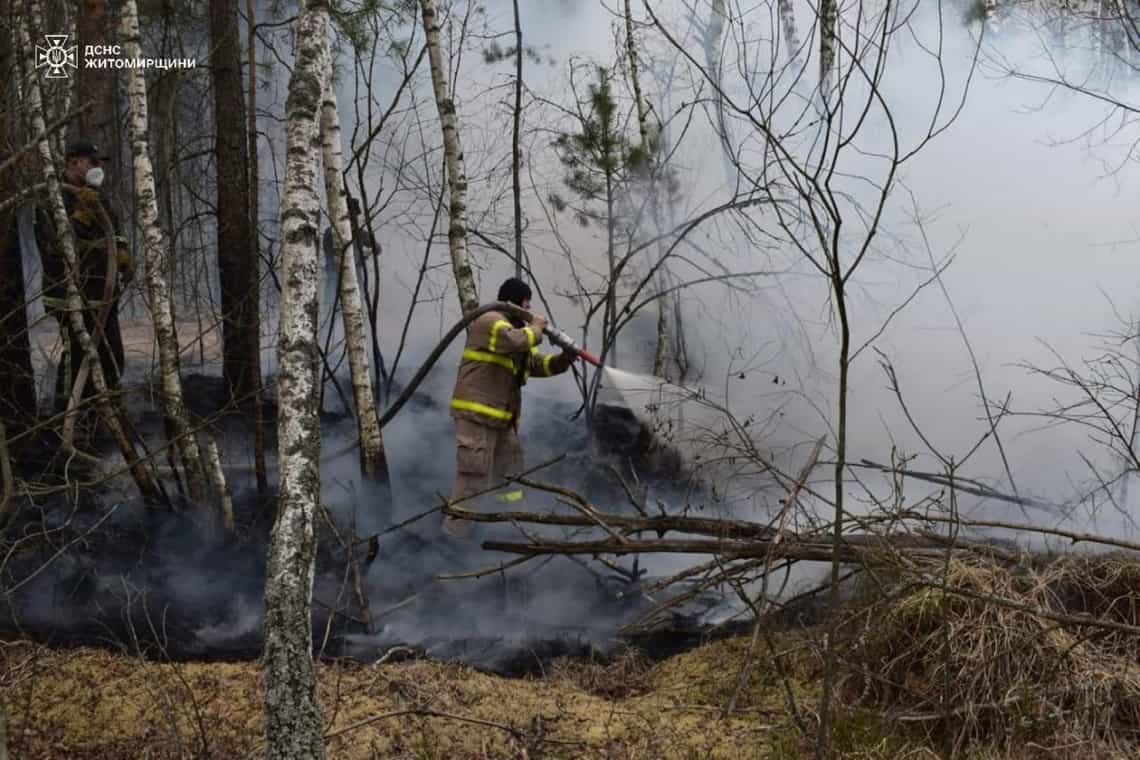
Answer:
(1016, 189)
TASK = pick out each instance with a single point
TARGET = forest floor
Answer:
(89, 703)
(92, 703)
(974, 658)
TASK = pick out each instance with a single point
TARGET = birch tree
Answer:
(787, 13)
(712, 39)
(156, 258)
(642, 107)
(828, 13)
(453, 157)
(372, 460)
(293, 721)
(35, 110)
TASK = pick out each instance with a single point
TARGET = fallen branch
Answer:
(1073, 536)
(517, 733)
(860, 549)
(662, 524)
(965, 485)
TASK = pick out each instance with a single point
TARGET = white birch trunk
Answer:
(372, 459)
(156, 257)
(714, 31)
(659, 352)
(453, 155)
(218, 478)
(787, 14)
(827, 19)
(63, 233)
(293, 722)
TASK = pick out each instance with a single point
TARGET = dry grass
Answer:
(94, 704)
(930, 673)
(966, 671)
(628, 674)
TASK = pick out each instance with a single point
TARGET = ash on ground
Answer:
(173, 583)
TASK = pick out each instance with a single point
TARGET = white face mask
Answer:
(94, 177)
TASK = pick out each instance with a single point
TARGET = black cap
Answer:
(84, 149)
(514, 291)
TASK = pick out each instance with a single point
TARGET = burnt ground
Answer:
(172, 583)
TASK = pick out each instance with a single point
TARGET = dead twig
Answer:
(517, 733)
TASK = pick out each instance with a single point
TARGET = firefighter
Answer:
(500, 354)
(84, 169)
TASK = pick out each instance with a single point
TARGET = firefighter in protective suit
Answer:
(501, 353)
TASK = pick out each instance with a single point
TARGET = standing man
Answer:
(85, 209)
(500, 354)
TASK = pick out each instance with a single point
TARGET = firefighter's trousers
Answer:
(484, 456)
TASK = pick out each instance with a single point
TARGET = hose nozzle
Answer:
(567, 344)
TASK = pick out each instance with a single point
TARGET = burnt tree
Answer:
(237, 264)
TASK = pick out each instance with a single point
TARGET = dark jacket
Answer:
(91, 240)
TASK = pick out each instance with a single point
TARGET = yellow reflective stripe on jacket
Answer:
(475, 406)
(498, 325)
(546, 364)
(475, 355)
(531, 340)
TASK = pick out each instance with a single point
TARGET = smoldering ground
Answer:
(174, 583)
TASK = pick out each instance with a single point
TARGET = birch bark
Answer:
(293, 722)
(63, 233)
(827, 18)
(714, 31)
(156, 256)
(372, 460)
(787, 14)
(661, 345)
(453, 155)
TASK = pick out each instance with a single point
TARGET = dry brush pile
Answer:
(1039, 654)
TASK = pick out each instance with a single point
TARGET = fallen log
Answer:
(853, 549)
(661, 524)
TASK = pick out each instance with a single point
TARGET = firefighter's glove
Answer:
(538, 323)
(123, 260)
